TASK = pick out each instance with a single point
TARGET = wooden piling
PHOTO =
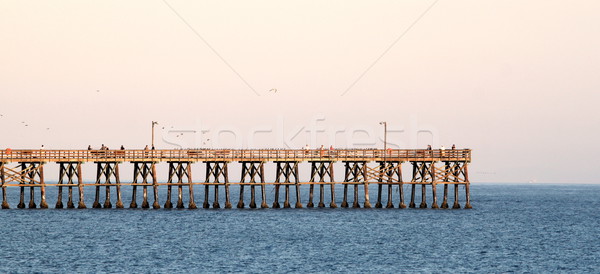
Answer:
(402, 205)
(412, 196)
(346, 180)
(456, 203)
(382, 172)
(286, 203)
(119, 203)
(321, 196)
(252, 195)
(81, 204)
(43, 202)
(297, 185)
(332, 204)
(216, 199)
(70, 203)
(311, 194)
(61, 174)
(263, 190)
(155, 204)
(245, 173)
(168, 203)
(107, 202)
(379, 191)
(392, 170)
(366, 186)
(434, 203)
(445, 199)
(179, 173)
(345, 198)
(5, 204)
(277, 186)
(467, 185)
(192, 203)
(227, 194)
(96, 203)
(468, 197)
(137, 171)
(423, 196)
(22, 188)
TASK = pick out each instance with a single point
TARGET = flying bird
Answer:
(274, 90)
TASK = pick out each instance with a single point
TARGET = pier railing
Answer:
(193, 155)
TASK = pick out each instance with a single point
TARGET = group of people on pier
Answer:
(103, 147)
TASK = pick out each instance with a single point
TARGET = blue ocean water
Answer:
(512, 228)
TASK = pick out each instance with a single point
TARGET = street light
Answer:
(384, 135)
(153, 124)
(384, 143)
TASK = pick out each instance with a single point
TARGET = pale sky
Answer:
(516, 81)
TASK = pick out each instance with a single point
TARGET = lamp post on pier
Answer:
(384, 139)
(153, 124)
(384, 147)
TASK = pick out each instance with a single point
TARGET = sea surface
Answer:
(511, 228)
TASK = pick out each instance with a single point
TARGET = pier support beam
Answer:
(5, 204)
(31, 175)
(356, 172)
(390, 173)
(180, 170)
(456, 173)
(143, 171)
(321, 172)
(287, 174)
(447, 168)
(69, 171)
(423, 174)
(465, 173)
(216, 174)
(253, 172)
(106, 172)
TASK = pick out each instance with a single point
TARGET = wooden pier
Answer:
(363, 167)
